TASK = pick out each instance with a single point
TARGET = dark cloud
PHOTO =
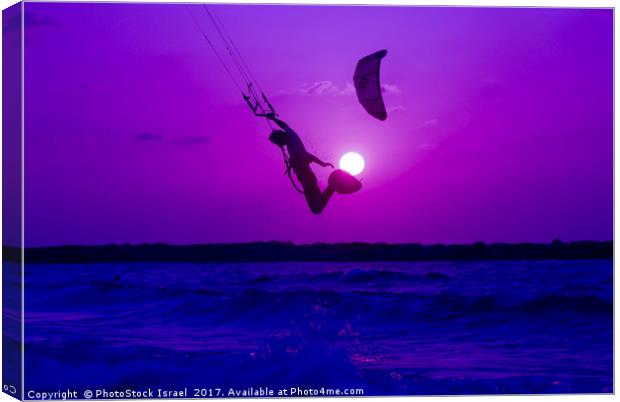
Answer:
(148, 137)
(194, 140)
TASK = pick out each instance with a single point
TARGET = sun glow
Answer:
(352, 162)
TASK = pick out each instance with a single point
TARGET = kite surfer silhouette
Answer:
(298, 160)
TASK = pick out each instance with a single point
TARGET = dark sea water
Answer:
(387, 328)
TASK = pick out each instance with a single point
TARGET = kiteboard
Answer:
(344, 182)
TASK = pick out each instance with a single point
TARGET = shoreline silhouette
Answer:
(275, 251)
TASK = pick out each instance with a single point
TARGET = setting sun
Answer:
(352, 162)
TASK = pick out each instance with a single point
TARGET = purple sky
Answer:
(499, 124)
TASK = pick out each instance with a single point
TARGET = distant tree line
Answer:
(288, 251)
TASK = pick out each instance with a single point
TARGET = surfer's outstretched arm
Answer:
(319, 162)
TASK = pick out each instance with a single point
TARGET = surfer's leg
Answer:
(327, 194)
(316, 199)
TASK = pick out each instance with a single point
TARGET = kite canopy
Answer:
(368, 86)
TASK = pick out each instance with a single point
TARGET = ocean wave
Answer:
(577, 304)
(542, 303)
(353, 276)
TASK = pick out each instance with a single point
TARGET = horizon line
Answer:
(288, 242)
